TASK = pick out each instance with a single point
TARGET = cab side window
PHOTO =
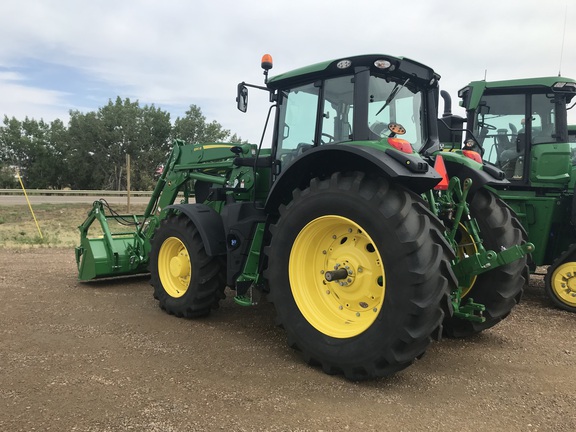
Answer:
(337, 110)
(298, 118)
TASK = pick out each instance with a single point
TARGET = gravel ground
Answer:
(103, 357)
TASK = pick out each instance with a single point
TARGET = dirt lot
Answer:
(104, 357)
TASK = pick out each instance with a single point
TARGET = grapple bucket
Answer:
(110, 253)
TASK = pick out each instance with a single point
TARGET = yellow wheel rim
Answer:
(466, 247)
(174, 267)
(563, 283)
(345, 307)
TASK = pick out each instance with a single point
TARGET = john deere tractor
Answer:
(520, 126)
(367, 251)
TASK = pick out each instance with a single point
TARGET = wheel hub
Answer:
(343, 274)
(570, 285)
(174, 267)
(179, 266)
(564, 283)
(337, 276)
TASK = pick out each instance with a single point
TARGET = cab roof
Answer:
(399, 66)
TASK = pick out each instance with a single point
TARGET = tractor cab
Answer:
(376, 102)
(365, 98)
(521, 127)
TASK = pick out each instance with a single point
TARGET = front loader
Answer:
(367, 238)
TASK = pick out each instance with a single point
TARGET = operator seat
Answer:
(512, 159)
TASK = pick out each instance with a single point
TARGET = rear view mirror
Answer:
(242, 97)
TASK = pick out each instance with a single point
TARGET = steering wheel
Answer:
(330, 138)
(486, 125)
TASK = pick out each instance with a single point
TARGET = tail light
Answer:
(400, 144)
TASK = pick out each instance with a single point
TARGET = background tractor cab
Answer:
(521, 126)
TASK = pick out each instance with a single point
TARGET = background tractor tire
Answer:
(499, 289)
(187, 282)
(381, 316)
(560, 281)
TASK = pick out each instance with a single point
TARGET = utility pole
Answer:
(128, 181)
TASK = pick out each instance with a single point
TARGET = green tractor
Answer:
(366, 251)
(520, 126)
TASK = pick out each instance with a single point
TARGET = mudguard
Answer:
(407, 169)
(208, 222)
(481, 175)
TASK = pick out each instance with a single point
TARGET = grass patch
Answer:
(58, 224)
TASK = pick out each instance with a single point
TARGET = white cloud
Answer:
(175, 53)
(20, 100)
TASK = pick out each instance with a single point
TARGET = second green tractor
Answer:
(521, 127)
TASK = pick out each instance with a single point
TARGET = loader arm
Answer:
(113, 254)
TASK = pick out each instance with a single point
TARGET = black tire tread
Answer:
(420, 233)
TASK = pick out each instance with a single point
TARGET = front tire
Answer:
(378, 317)
(499, 289)
(187, 282)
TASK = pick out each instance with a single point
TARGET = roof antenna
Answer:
(485, 74)
(563, 38)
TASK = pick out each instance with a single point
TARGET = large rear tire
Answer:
(499, 289)
(187, 282)
(378, 316)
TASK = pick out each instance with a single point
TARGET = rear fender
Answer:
(409, 170)
(480, 174)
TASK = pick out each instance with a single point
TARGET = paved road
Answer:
(68, 199)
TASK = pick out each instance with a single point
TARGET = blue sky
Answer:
(68, 54)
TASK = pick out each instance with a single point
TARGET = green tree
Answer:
(8, 134)
(36, 149)
(86, 160)
(194, 129)
(104, 138)
(91, 152)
